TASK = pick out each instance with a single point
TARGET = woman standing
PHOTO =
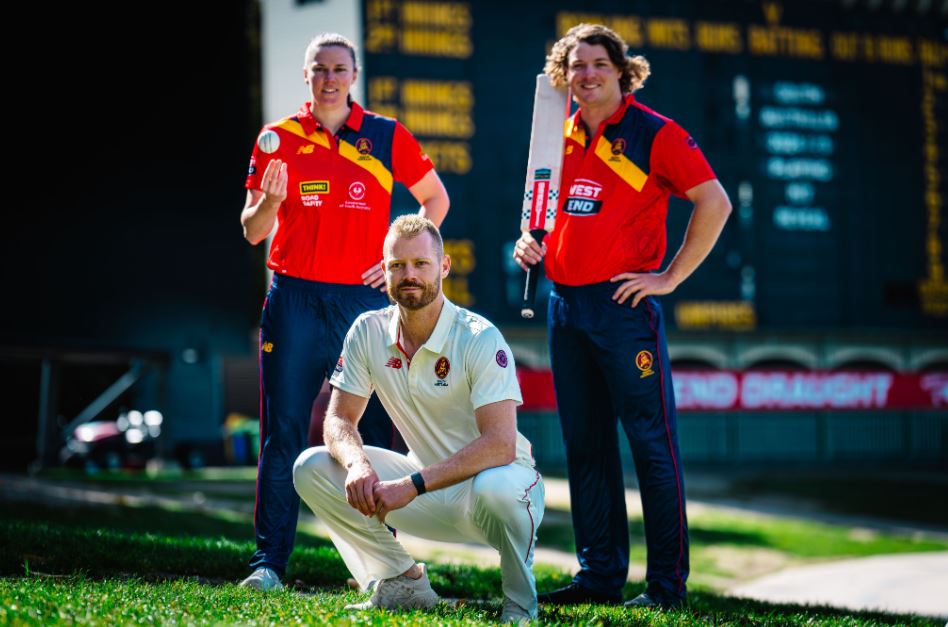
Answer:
(323, 178)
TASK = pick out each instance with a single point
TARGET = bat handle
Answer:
(530, 285)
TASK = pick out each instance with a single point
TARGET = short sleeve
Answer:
(490, 370)
(352, 370)
(259, 161)
(677, 160)
(409, 162)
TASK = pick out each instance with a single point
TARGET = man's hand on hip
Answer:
(360, 485)
(642, 284)
(392, 495)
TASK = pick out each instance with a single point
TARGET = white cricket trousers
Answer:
(501, 507)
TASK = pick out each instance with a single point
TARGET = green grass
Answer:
(105, 565)
(795, 537)
(85, 600)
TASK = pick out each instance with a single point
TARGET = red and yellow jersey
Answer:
(614, 194)
(332, 224)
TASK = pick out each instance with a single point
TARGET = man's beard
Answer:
(416, 300)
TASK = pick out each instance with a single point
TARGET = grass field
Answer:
(68, 564)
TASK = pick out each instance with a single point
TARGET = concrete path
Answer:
(911, 583)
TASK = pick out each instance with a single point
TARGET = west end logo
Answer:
(585, 198)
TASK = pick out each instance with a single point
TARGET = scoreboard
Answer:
(825, 122)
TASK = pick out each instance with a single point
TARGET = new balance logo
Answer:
(394, 362)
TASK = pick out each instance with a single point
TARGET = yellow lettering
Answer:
(447, 15)
(463, 261)
(772, 12)
(424, 42)
(790, 42)
(383, 88)
(450, 94)
(438, 122)
(380, 37)
(733, 315)
(629, 27)
(844, 46)
(457, 290)
(718, 37)
(668, 33)
(448, 156)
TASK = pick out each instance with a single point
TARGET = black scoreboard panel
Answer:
(825, 121)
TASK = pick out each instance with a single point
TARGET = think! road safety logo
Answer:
(644, 361)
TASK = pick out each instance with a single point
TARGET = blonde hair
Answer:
(411, 226)
(634, 70)
(329, 39)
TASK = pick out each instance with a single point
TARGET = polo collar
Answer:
(440, 334)
(310, 125)
(576, 129)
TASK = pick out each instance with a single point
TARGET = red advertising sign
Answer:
(733, 390)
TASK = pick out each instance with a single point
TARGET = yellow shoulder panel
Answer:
(621, 165)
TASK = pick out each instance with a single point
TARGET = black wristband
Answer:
(419, 482)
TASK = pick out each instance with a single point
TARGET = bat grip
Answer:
(530, 285)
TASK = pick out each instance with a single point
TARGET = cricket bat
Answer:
(544, 166)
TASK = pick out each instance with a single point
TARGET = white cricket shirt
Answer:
(464, 365)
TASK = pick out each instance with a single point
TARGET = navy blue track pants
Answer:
(610, 362)
(301, 333)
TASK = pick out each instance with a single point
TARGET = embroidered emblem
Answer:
(644, 361)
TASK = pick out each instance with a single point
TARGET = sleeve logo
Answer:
(501, 358)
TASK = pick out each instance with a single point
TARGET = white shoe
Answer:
(513, 614)
(401, 592)
(263, 579)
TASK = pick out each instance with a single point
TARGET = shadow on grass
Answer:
(169, 522)
(556, 533)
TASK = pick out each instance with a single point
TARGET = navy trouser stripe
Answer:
(301, 333)
(595, 345)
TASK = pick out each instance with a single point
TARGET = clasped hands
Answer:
(372, 497)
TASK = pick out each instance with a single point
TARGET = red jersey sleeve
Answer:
(677, 160)
(409, 162)
(259, 161)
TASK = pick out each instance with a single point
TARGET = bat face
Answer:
(542, 189)
(541, 193)
(542, 197)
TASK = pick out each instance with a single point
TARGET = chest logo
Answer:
(644, 362)
(306, 150)
(442, 368)
(314, 187)
(618, 146)
(585, 198)
(394, 362)
(357, 190)
(364, 145)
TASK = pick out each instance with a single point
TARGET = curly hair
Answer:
(634, 70)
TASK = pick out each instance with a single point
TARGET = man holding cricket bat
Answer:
(621, 163)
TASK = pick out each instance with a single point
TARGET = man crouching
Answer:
(446, 377)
